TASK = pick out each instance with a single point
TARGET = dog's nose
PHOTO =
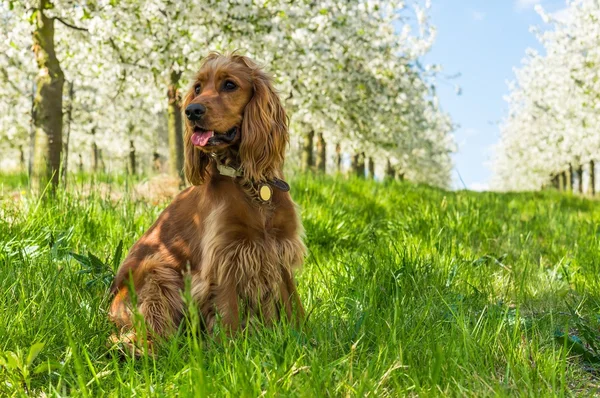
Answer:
(195, 112)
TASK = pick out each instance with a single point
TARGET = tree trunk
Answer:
(570, 178)
(321, 153)
(95, 153)
(338, 157)
(80, 164)
(131, 165)
(307, 151)
(101, 159)
(31, 133)
(556, 181)
(389, 170)
(175, 127)
(580, 179)
(354, 164)
(400, 175)
(22, 164)
(47, 106)
(592, 186)
(563, 181)
(156, 164)
(371, 168)
(360, 165)
(67, 134)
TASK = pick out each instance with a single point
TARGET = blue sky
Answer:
(483, 40)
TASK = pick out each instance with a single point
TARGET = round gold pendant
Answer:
(265, 192)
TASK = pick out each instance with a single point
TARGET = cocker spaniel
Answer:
(236, 232)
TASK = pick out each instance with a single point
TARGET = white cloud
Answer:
(521, 5)
(478, 15)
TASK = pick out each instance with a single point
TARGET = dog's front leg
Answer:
(216, 301)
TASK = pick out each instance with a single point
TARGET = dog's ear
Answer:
(264, 129)
(196, 161)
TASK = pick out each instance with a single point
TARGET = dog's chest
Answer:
(239, 244)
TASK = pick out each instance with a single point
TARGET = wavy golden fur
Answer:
(238, 252)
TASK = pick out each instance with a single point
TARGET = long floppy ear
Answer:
(264, 130)
(196, 161)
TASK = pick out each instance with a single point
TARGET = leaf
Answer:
(12, 360)
(34, 351)
(96, 263)
(83, 260)
(46, 367)
(116, 260)
(575, 345)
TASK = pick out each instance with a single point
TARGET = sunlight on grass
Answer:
(409, 290)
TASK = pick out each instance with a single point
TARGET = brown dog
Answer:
(235, 232)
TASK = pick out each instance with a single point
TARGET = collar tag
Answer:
(228, 171)
(265, 192)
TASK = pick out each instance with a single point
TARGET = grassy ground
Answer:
(411, 291)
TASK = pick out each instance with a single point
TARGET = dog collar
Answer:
(228, 171)
(264, 190)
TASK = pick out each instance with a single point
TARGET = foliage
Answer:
(350, 70)
(410, 290)
(554, 104)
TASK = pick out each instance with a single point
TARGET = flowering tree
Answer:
(347, 72)
(551, 132)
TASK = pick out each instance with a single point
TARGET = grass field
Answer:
(410, 290)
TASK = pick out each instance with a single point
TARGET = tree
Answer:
(360, 83)
(553, 119)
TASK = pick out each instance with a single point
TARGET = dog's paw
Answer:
(129, 344)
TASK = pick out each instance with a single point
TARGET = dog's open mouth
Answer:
(202, 137)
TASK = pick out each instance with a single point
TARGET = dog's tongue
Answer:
(200, 139)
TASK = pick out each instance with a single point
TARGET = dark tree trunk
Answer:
(556, 182)
(400, 175)
(47, 105)
(131, 165)
(592, 188)
(360, 165)
(580, 179)
(389, 170)
(338, 157)
(354, 164)
(175, 126)
(80, 164)
(95, 153)
(101, 160)
(371, 168)
(156, 164)
(570, 178)
(22, 164)
(321, 153)
(307, 151)
(563, 181)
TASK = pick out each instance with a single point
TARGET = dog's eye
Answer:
(229, 85)
(197, 89)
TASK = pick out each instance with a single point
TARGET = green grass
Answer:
(411, 290)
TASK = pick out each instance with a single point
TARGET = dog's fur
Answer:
(238, 252)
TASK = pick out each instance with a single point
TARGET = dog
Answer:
(235, 233)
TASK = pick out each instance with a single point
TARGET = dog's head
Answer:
(231, 104)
